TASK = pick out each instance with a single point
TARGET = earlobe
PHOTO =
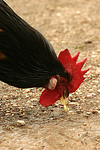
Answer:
(52, 83)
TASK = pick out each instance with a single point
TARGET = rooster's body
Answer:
(27, 59)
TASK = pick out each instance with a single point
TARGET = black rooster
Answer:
(27, 60)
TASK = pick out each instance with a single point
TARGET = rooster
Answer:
(28, 60)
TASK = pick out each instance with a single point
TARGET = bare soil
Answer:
(75, 25)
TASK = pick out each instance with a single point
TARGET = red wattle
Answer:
(49, 97)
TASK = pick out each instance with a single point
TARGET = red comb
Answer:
(74, 68)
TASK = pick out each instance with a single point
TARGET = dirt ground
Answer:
(75, 25)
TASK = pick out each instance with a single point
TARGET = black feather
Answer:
(29, 60)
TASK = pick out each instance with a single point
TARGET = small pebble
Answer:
(12, 127)
(79, 111)
(84, 124)
(98, 90)
(73, 103)
(88, 113)
(20, 122)
(31, 106)
(89, 96)
(21, 148)
(27, 90)
(94, 111)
